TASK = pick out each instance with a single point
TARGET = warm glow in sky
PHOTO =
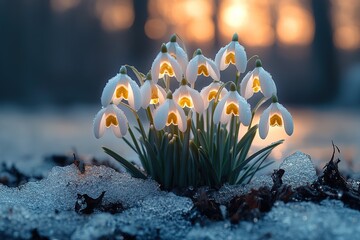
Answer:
(346, 22)
(259, 23)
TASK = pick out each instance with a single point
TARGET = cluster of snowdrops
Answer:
(192, 138)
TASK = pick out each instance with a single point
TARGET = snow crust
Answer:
(48, 207)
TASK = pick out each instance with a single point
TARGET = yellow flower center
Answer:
(186, 101)
(154, 95)
(122, 92)
(276, 120)
(230, 58)
(212, 95)
(256, 85)
(111, 120)
(171, 119)
(166, 68)
(202, 69)
(232, 108)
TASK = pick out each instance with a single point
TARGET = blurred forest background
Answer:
(64, 51)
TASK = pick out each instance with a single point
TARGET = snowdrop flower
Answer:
(275, 115)
(258, 80)
(110, 117)
(232, 53)
(209, 93)
(201, 65)
(165, 64)
(121, 87)
(170, 113)
(151, 93)
(232, 104)
(178, 53)
(186, 96)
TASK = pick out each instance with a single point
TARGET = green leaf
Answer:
(135, 172)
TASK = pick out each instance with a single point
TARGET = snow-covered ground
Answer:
(48, 206)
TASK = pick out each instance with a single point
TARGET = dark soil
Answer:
(253, 205)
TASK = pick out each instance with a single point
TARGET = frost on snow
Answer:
(47, 207)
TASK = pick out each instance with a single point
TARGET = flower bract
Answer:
(110, 117)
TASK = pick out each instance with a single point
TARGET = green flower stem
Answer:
(142, 131)
(149, 115)
(167, 83)
(140, 76)
(255, 56)
(258, 105)
(237, 78)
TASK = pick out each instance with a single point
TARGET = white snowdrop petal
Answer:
(176, 67)
(145, 91)
(264, 123)
(135, 96)
(245, 110)
(178, 92)
(182, 123)
(213, 69)
(220, 58)
(155, 68)
(191, 70)
(268, 87)
(288, 120)
(244, 83)
(122, 122)
(219, 110)
(197, 100)
(99, 127)
(249, 92)
(240, 57)
(161, 115)
(108, 91)
(204, 95)
(161, 94)
(181, 56)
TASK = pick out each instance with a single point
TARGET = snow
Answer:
(303, 220)
(48, 207)
(299, 171)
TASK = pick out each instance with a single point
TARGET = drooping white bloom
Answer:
(201, 65)
(178, 53)
(232, 104)
(209, 93)
(151, 93)
(165, 64)
(258, 80)
(170, 113)
(232, 53)
(275, 115)
(186, 96)
(110, 117)
(121, 87)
